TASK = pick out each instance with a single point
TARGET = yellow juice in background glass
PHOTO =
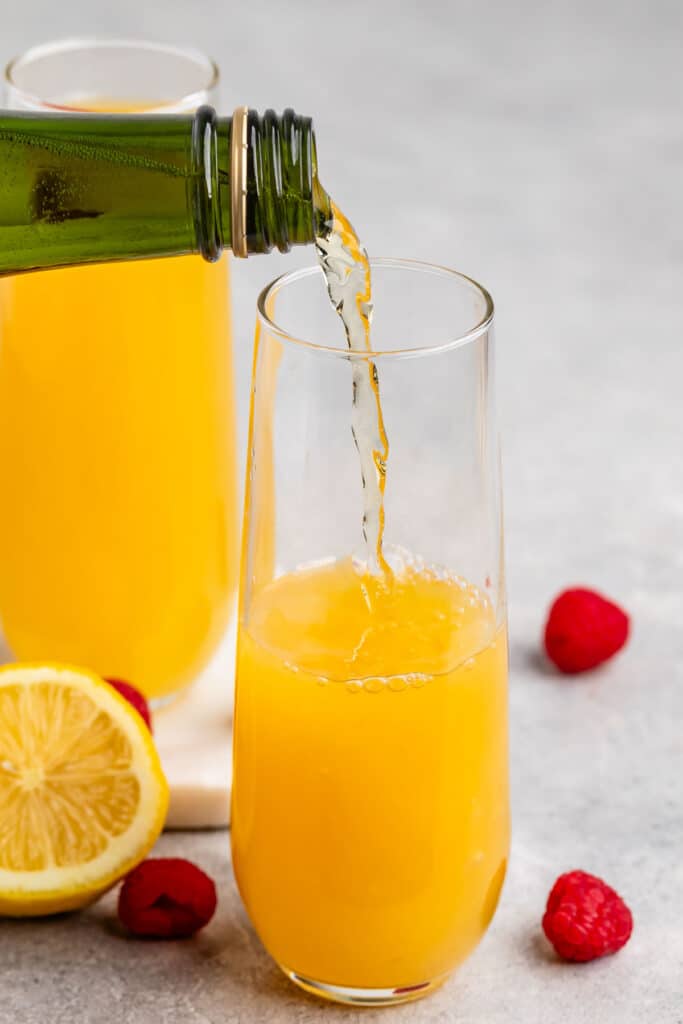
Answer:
(370, 823)
(118, 529)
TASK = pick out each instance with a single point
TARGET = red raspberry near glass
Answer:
(133, 697)
(584, 630)
(585, 918)
(166, 898)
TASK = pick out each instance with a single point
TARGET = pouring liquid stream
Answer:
(346, 268)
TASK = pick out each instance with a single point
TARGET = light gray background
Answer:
(538, 147)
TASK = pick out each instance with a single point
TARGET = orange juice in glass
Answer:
(118, 533)
(370, 826)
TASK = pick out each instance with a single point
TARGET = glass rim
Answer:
(93, 43)
(387, 262)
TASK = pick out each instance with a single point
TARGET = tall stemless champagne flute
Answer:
(370, 825)
(118, 532)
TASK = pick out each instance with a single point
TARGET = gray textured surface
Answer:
(538, 147)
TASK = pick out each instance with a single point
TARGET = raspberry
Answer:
(133, 697)
(583, 630)
(585, 919)
(166, 898)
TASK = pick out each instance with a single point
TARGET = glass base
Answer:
(364, 996)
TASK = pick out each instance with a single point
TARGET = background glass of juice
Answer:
(118, 533)
(370, 823)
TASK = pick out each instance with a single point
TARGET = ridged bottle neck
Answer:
(281, 165)
(270, 184)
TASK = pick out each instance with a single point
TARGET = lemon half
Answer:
(82, 794)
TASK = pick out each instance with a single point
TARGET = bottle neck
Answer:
(269, 187)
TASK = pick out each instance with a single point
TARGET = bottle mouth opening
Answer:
(120, 75)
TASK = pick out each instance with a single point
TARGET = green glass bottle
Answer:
(83, 188)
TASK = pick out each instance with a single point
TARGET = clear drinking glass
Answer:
(370, 823)
(118, 545)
